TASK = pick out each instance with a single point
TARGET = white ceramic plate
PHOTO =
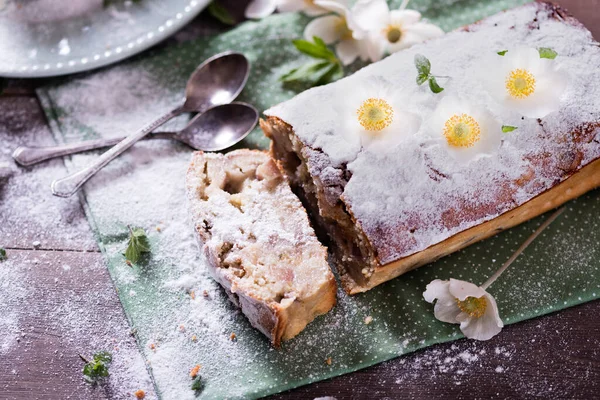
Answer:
(41, 38)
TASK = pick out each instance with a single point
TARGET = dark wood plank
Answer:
(31, 215)
(56, 305)
(551, 357)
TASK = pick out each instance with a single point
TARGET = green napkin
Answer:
(181, 317)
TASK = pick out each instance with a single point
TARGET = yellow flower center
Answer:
(341, 27)
(473, 306)
(393, 33)
(520, 83)
(375, 114)
(462, 130)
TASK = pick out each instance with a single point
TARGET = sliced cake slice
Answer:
(258, 241)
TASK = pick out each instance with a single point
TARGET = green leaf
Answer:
(198, 384)
(221, 13)
(423, 65)
(547, 52)
(508, 128)
(138, 244)
(103, 356)
(310, 72)
(95, 370)
(314, 74)
(421, 79)
(433, 85)
(503, 52)
(334, 73)
(3, 256)
(318, 49)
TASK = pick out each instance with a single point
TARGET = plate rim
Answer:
(117, 53)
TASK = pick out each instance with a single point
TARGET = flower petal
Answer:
(347, 51)
(405, 124)
(462, 289)
(285, 6)
(445, 309)
(375, 47)
(546, 98)
(486, 327)
(435, 289)
(327, 28)
(258, 9)
(370, 14)
(404, 17)
(314, 11)
(424, 30)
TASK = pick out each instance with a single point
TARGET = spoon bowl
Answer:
(219, 127)
(218, 80)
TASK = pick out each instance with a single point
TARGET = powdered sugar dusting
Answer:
(415, 187)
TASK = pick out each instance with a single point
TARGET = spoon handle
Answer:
(67, 186)
(26, 155)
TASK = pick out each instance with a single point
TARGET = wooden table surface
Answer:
(552, 357)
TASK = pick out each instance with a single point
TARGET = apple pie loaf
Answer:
(398, 197)
(258, 241)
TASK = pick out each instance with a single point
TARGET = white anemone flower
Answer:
(523, 81)
(467, 131)
(392, 30)
(340, 28)
(374, 116)
(471, 306)
(258, 9)
(460, 302)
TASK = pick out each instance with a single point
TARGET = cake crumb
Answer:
(140, 394)
(181, 328)
(328, 361)
(368, 320)
(152, 346)
(205, 293)
(233, 336)
(193, 295)
(194, 338)
(194, 371)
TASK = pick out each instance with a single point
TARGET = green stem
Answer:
(522, 248)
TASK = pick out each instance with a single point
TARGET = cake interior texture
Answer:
(392, 208)
(259, 242)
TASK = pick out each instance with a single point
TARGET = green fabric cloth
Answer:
(559, 270)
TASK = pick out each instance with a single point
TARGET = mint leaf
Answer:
(547, 52)
(503, 52)
(508, 128)
(96, 369)
(221, 13)
(311, 72)
(334, 73)
(3, 256)
(198, 384)
(423, 65)
(138, 244)
(421, 79)
(318, 49)
(433, 85)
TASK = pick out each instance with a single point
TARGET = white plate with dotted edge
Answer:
(40, 38)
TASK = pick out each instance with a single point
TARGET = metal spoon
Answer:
(216, 81)
(214, 130)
